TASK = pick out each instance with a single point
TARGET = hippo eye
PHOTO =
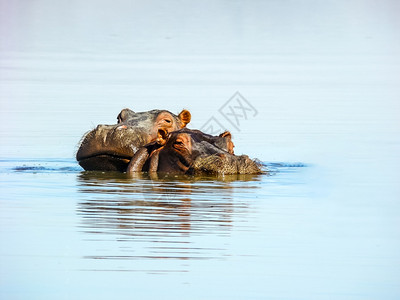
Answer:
(179, 143)
(168, 121)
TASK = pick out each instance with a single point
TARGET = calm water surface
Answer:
(322, 224)
(66, 231)
(90, 234)
(323, 77)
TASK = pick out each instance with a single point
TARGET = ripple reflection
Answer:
(171, 218)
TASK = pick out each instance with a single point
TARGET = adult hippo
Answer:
(111, 147)
(192, 152)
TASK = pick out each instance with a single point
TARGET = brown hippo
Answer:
(189, 151)
(111, 147)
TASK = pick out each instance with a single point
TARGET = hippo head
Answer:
(192, 152)
(111, 147)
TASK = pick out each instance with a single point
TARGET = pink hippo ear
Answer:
(185, 117)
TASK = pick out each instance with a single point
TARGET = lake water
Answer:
(321, 85)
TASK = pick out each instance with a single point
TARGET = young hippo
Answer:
(111, 147)
(192, 152)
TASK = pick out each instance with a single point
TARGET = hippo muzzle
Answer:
(111, 147)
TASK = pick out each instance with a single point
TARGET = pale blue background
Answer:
(324, 77)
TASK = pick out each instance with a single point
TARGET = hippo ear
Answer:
(229, 144)
(162, 136)
(124, 114)
(226, 134)
(185, 117)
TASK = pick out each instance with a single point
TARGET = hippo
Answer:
(193, 152)
(111, 147)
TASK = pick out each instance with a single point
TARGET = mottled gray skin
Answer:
(111, 147)
(192, 152)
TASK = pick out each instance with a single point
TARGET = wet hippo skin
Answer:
(111, 147)
(187, 151)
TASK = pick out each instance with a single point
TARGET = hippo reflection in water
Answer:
(111, 147)
(191, 152)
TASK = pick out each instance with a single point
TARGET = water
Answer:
(323, 79)
(90, 234)
(76, 229)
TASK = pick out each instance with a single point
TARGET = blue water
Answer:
(320, 81)
(77, 229)
(78, 234)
